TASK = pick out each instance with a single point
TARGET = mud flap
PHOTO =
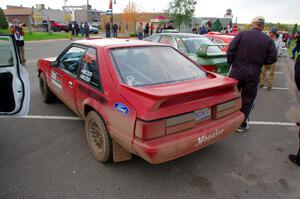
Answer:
(119, 153)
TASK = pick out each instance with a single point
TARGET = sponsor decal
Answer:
(56, 79)
(91, 93)
(219, 60)
(85, 78)
(206, 138)
(89, 58)
(121, 108)
(86, 72)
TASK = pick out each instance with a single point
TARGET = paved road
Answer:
(46, 158)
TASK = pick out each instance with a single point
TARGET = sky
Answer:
(282, 11)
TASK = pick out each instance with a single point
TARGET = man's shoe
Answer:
(261, 86)
(269, 87)
(241, 130)
(294, 159)
(244, 126)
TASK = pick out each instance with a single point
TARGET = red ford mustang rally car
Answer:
(141, 98)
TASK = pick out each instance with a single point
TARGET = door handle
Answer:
(70, 84)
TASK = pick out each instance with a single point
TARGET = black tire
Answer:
(48, 96)
(98, 138)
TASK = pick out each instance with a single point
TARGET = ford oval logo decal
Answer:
(121, 108)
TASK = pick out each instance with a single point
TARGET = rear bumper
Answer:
(179, 144)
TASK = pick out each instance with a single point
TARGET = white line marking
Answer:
(278, 72)
(272, 123)
(277, 88)
(48, 117)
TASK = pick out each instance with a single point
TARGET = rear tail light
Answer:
(155, 129)
(226, 108)
(149, 130)
(210, 68)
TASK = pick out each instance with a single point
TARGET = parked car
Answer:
(220, 39)
(56, 26)
(93, 30)
(197, 47)
(63, 26)
(14, 80)
(134, 99)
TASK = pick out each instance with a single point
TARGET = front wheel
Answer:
(98, 139)
(48, 96)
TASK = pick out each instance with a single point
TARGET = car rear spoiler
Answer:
(156, 96)
(203, 50)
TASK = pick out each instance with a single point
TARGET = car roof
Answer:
(116, 43)
(180, 34)
(220, 36)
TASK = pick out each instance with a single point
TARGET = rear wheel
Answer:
(48, 96)
(98, 139)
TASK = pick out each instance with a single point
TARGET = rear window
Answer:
(142, 66)
(193, 44)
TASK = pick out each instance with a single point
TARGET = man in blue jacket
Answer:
(246, 54)
(296, 158)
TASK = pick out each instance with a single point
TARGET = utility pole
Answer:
(87, 10)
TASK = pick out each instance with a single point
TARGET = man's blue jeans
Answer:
(296, 49)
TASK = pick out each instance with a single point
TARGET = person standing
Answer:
(87, 29)
(146, 30)
(82, 33)
(297, 47)
(115, 30)
(296, 158)
(71, 29)
(139, 31)
(275, 36)
(76, 28)
(151, 29)
(159, 29)
(246, 54)
(107, 30)
(18, 33)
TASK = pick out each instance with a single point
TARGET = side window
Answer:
(167, 40)
(6, 57)
(71, 59)
(181, 46)
(89, 68)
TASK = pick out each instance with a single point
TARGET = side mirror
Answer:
(54, 63)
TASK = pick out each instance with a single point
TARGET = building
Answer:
(129, 21)
(34, 16)
(23, 14)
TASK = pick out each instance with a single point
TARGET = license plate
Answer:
(202, 114)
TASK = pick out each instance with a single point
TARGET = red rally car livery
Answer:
(141, 98)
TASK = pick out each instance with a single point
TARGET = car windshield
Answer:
(141, 66)
(193, 44)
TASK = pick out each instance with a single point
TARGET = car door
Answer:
(14, 80)
(65, 74)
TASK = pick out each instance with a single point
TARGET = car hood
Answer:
(159, 101)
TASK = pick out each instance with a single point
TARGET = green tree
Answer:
(3, 22)
(295, 29)
(182, 11)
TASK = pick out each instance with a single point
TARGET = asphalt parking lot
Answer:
(46, 156)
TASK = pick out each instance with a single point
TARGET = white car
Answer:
(14, 80)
